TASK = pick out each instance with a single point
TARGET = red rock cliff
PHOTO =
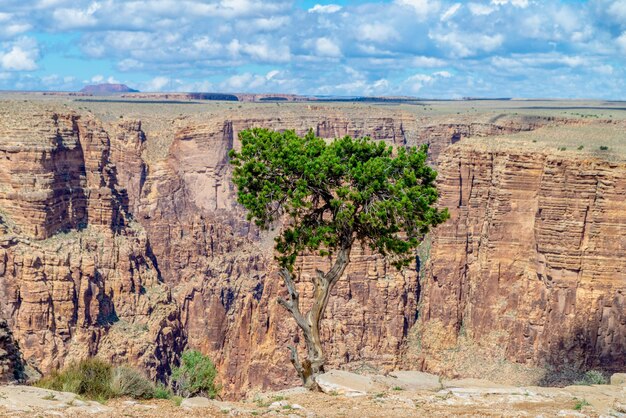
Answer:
(77, 277)
(105, 252)
(531, 260)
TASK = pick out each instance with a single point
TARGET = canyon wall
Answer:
(76, 274)
(222, 271)
(105, 251)
(530, 264)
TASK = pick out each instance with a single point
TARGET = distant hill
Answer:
(108, 88)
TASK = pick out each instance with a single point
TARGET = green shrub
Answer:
(603, 148)
(592, 377)
(580, 147)
(580, 404)
(195, 376)
(162, 392)
(130, 382)
(96, 379)
(90, 378)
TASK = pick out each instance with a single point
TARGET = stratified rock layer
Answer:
(76, 276)
(532, 260)
(111, 245)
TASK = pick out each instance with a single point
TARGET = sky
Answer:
(424, 48)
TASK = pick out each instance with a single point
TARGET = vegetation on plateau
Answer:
(333, 195)
(96, 379)
(195, 376)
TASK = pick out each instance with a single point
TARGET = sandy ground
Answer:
(461, 398)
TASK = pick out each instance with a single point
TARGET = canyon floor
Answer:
(403, 394)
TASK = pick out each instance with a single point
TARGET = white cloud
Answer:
(264, 52)
(421, 7)
(246, 82)
(604, 69)
(272, 74)
(621, 42)
(377, 32)
(428, 62)
(13, 29)
(130, 64)
(468, 44)
(327, 48)
(326, 9)
(480, 9)
(73, 18)
(21, 56)
(516, 3)
(519, 62)
(617, 9)
(416, 82)
(443, 74)
(450, 12)
(156, 84)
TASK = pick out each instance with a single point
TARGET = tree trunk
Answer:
(313, 365)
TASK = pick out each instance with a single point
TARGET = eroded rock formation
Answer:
(108, 250)
(530, 261)
(77, 277)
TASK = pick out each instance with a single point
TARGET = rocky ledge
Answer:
(405, 394)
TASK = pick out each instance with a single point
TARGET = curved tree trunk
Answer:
(313, 365)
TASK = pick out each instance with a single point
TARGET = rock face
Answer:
(11, 363)
(76, 275)
(531, 260)
(222, 269)
(107, 251)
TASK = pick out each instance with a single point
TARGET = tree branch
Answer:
(295, 360)
(293, 305)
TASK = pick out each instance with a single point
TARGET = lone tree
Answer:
(333, 195)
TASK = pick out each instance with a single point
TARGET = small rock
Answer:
(196, 402)
(618, 379)
(568, 414)
(296, 406)
(278, 405)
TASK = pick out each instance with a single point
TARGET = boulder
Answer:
(349, 384)
(618, 379)
(196, 402)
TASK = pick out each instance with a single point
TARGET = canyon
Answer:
(120, 236)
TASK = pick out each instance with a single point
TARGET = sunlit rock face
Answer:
(108, 250)
(531, 262)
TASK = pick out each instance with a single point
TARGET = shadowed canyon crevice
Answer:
(109, 250)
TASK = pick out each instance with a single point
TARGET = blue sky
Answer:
(424, 48)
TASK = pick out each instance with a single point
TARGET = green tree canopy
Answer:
(336, 192)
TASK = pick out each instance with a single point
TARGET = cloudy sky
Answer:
(425, 48)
